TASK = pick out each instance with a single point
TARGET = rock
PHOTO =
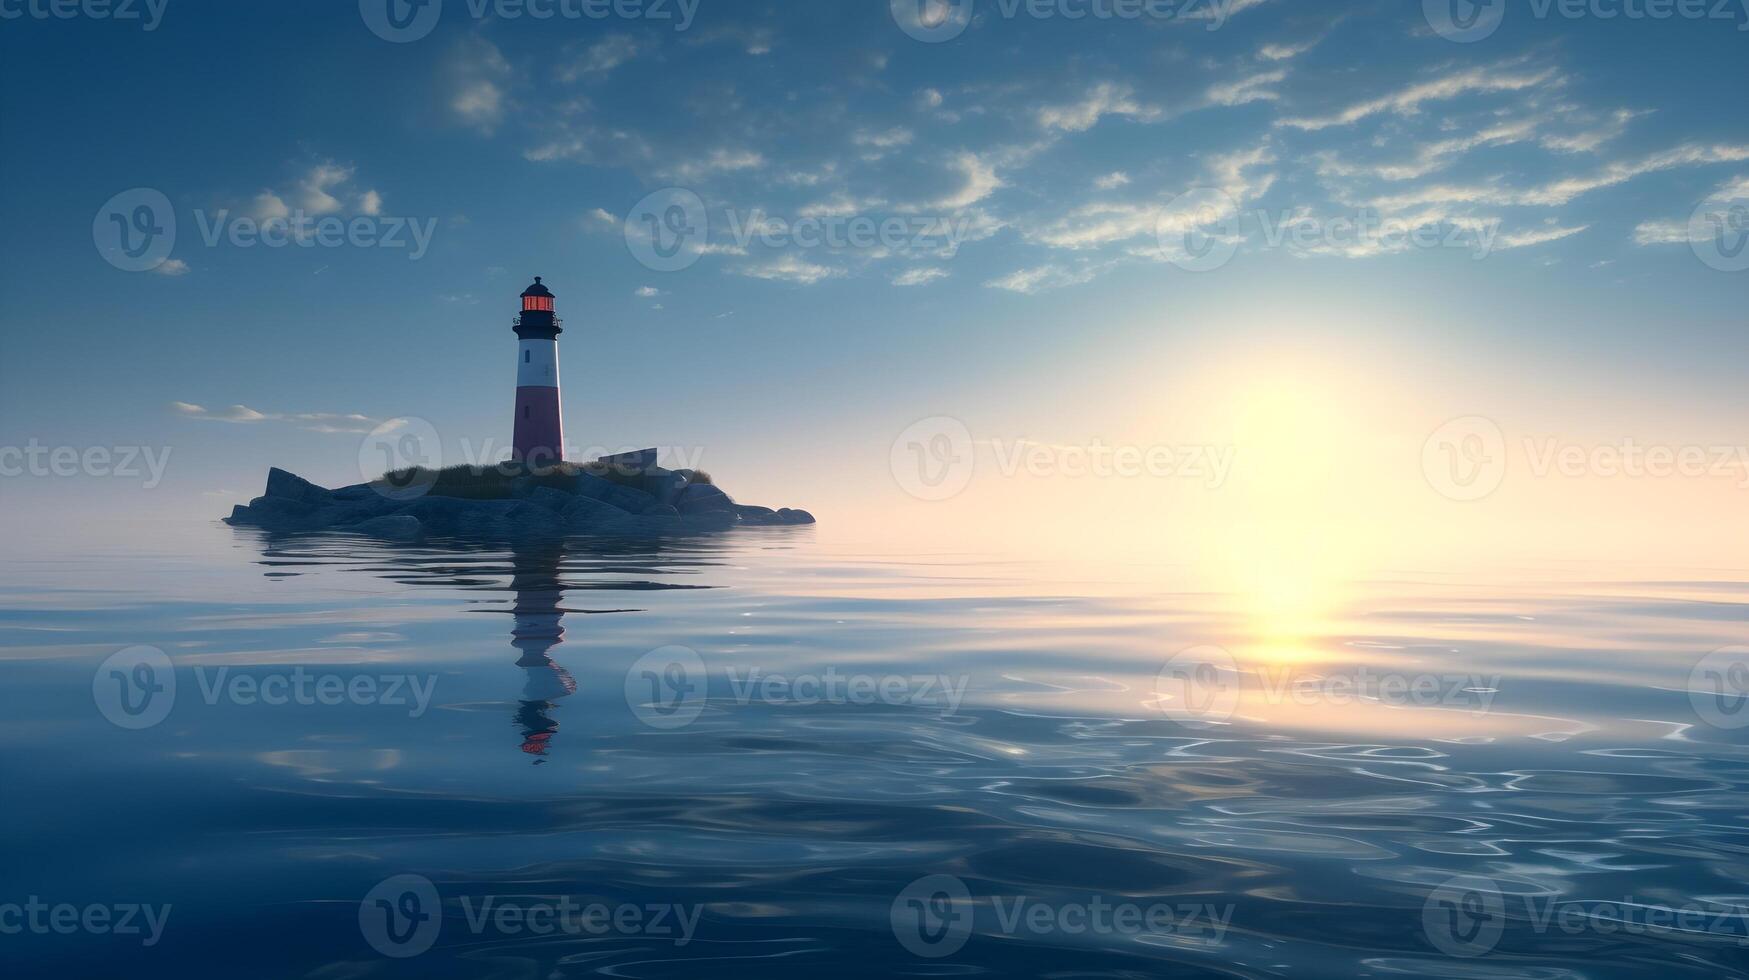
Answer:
(360, 491)
(506, 518)
(586, 513)
(554, 500)
(699, 498)
(585, 504)
(710, 520)
(398, 527)
(625, 498)
(665, 485)
(440, 515)
(289, 487)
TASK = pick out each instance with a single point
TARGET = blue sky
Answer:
(1554, 164)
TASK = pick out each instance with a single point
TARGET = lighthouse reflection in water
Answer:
(540, 627)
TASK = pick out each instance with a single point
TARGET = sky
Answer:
(1269, 282)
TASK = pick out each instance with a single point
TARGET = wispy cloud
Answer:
(1104, 99)
(1254, 88)
(477, 73)
(1563, 191)
(319, 189)
(919, 277)
(327, 422)
(601, 57)
(1038, 278)
(790, 268)
(1409, 100)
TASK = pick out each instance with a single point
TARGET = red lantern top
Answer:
(537, 298)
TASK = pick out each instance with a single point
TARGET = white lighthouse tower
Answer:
(540, 426)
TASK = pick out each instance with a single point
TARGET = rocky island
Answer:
(616, 495)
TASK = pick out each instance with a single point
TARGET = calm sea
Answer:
(758, 755)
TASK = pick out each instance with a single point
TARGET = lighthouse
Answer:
(540, 427)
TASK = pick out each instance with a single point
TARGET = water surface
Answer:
(832, 761)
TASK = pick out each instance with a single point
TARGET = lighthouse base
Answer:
(540, 431)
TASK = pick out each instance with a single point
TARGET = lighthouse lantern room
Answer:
(540, 428)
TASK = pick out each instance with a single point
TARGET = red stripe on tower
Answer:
(540, 427)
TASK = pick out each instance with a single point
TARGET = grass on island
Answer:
(496, 482)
